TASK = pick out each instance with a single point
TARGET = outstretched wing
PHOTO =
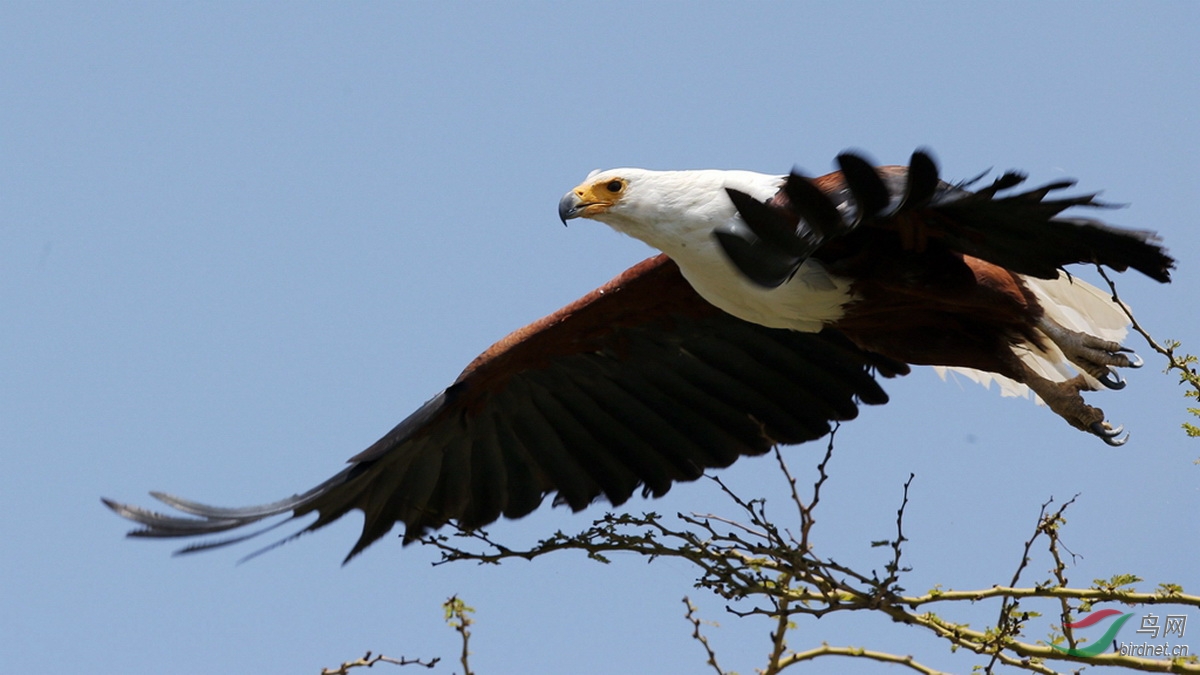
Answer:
(861, 212)
(641, 383)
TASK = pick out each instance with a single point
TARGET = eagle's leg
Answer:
(1095, 356)
(1065, 400)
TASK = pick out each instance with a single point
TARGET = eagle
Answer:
(777, 305)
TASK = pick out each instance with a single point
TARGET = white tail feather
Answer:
(1071, 303)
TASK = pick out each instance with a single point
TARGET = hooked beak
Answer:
(569, 207)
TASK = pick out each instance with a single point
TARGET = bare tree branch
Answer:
(761, 569)
(1183, 365)
(699, 637)
(369, 661)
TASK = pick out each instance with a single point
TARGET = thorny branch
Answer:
(761, 569)
(699, 637)
(457, 617)
(369, 661)
(1010, 620)
(1183, 365)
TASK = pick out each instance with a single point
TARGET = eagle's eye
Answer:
(614, 186)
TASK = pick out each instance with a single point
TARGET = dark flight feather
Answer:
(1022, 232)
(640, 384)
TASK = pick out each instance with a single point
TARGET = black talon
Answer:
(1109, 434)
(1112, 380)
(1135, 361)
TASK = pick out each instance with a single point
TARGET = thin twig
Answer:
(699, 637)
(458, 615)
(759, 569)
(369, 661)
(859, 652)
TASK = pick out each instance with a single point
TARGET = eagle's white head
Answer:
(677, 212)
(668, 210)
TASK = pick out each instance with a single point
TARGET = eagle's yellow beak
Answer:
(590, 199)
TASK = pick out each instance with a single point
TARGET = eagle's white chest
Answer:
(810, 300)
(676, 212)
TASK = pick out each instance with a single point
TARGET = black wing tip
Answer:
(854, 156)
(998, 226)
(871, 195)
(922, 181)
(195, 520)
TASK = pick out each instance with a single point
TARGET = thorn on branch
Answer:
(369, 661)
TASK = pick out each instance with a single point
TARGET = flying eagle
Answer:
(775, 304)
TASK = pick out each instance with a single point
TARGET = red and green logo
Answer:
(1105, 640)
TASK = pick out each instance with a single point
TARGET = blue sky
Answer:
(238, 242)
